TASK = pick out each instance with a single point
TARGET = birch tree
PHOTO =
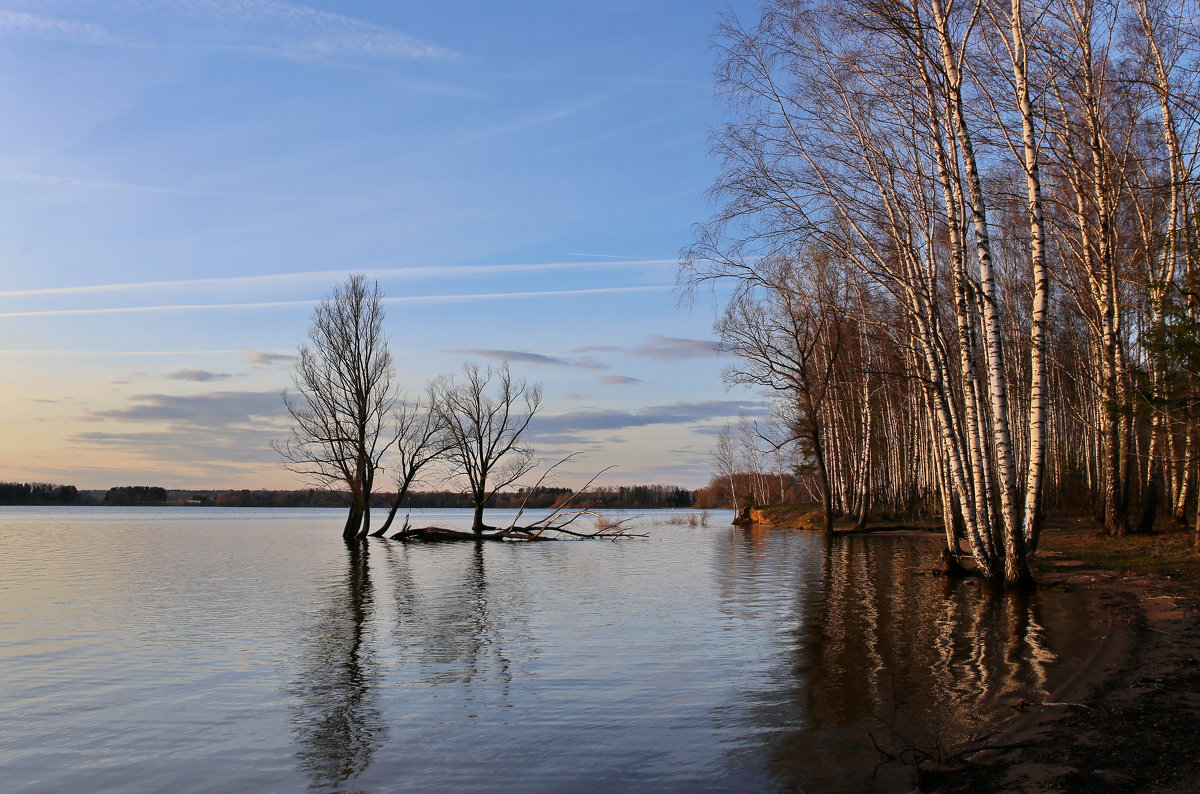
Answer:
(725, 461)
(1009, 187)
(819, 158)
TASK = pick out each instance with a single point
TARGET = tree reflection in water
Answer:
(337, 723)
(453, 630)
(448, 630)
(880, 655)
(831, 645)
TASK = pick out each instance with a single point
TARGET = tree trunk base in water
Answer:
(951, 567)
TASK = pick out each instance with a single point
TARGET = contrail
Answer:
(424, 272)
(408, 299)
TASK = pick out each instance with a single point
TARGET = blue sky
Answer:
(181, 181)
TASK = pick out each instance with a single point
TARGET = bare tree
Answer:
(345, 398)
(485, 413)
(421, 440)
(1009, 187)
(786, 343)
(818, 163)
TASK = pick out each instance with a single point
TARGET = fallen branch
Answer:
(553, 527)
(608, 530)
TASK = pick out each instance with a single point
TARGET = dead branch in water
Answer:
(605, 529)
(554, 526)
(560, 508)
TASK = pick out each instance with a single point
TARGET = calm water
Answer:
(211, 649)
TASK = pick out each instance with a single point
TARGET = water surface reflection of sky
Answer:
(192, 649)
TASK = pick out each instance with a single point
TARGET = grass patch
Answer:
(808, 515)
(1167, 554)
(689, 520)
(796, 516)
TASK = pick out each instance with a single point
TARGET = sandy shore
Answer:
(1128, 721)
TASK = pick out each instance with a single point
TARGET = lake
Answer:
(232, 649)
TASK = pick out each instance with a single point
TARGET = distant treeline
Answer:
(40, 493)
(635, 496)
(612, 497)
(624, 496)
(44, 493)
(136, 495)
(621, 496)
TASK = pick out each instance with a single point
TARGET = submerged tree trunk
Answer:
(823, 480)
(365, 528)
(345, 381)
(401, 494)
(391, 516)
(354, 519)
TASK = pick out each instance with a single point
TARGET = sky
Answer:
(182, 181)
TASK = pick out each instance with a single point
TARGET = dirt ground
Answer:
(1129, 721)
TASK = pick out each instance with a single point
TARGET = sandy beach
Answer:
(1126, 722)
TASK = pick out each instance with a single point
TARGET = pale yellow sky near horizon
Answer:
(179, 186)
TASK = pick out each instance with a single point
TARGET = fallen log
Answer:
(606, 530)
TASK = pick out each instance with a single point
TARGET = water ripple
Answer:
(207, 649)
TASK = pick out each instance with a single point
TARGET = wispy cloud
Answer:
(190, 451)
(197, 375)
(564, 293)
(568, 442)
(34, 26)
(513, 355)
(214, 434)
(589, 363)
(617, 131)
(52, 181)
(408, 299)
(299, 31)
(210, 411)
(599, 256)
(184, 473)
(160, 308)
(262, 358)
(526, 357)
(669, 348)
(537, 120)
(596, 349)
(620, 380)
(675, 413)
(275, 27)
(109, 353)
(689, 473)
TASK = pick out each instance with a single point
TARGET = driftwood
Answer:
(547, 530)
(555, 526)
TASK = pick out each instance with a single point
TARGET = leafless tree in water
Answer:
(344, 401)
(421, 442)
(485, 412)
